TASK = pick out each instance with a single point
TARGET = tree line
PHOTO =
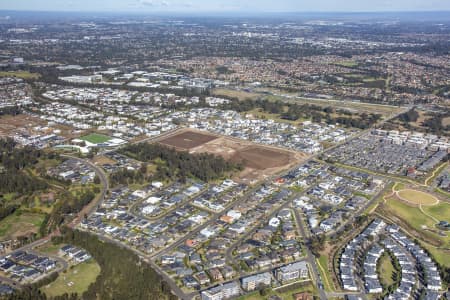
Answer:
(173, 164)
(13, 161)
(69, 205)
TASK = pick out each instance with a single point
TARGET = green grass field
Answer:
(74, 280)
(322, 263)
(440, 211)
(410, 214)
(20, 224)
(424, 224)
(50, 248)
(10, 196)
(417, 197)
(347, 63)
(20, 74)
(95, 138)
(386, 269)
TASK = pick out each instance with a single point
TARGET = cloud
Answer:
(147, 2)
(154, 3)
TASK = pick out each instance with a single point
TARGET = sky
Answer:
(227, 5)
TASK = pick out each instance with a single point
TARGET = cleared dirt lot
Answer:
(260, 161)
(11, 124)
(187, 139)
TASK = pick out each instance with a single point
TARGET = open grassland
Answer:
(20, 224)
(241, 95)
(412, 215)
(420, 223)
(75, 280)
(50, 248)
(347, 63)
(417, 197)
(275, 94)
(20, 74)
(440, 211)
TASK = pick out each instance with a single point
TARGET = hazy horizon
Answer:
(218, 6)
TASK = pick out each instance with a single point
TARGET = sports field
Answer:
(95, 138)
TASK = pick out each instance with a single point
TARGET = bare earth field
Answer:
(11, 124)
(187, 139)
(260, 161)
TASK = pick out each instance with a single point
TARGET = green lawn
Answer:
(50, 248)
(440, 211)
(386, 269)
(20, 74)
(417, 197)
(95, 138)
(322, 263)
(347, 63)
(440, 255)
(398, 186)
(75, 280)
(410, 214)
(19, 224)
(418, 220)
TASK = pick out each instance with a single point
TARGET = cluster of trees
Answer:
(433, 123)
(410, 116)
(317, 244)
(71, 204)
(11, 110)
(13, 161)
(7, 209)
(173, 164)
(125, 176)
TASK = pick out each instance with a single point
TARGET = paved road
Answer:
(310, 258)
(91, 207)
(255, 227)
